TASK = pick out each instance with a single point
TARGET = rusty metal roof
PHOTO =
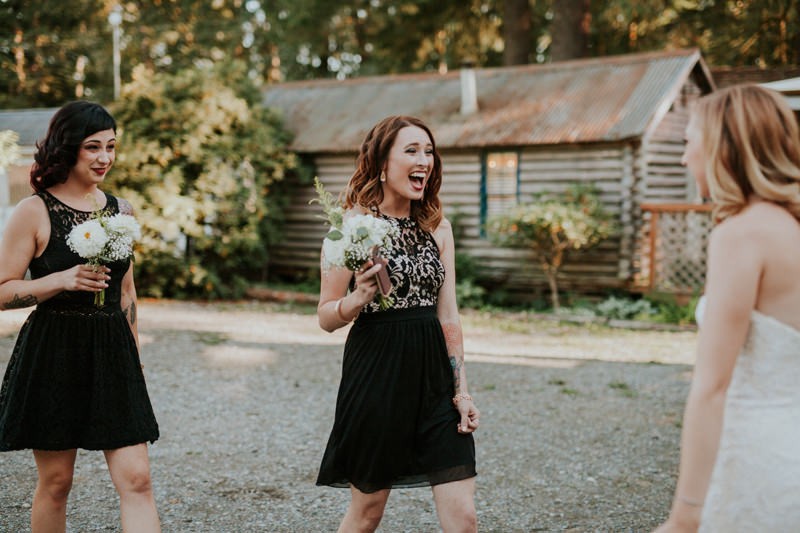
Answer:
(29, 124)
(579, 101)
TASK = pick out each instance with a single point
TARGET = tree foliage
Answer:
(53, 50)
(550, 228)
(203, 168)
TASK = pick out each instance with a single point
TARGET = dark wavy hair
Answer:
(364, 188)
(57, 153)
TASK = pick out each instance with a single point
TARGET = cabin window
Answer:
(500, 189)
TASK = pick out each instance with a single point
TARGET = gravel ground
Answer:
(579, 429)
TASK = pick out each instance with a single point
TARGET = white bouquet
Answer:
(353, 241)
(104, 239)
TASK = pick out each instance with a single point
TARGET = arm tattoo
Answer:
(453, 340)
(18, 302)
(130, 313)
(457, 363)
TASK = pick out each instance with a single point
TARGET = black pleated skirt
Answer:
(395, 425)
(74, 381)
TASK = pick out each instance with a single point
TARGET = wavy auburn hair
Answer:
(752, 143)
(364, 188)
(57, 153)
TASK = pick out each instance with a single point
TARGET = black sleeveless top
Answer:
(57, 256)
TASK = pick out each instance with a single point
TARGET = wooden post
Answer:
(651, 281)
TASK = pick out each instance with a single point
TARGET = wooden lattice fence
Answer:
(673, 242)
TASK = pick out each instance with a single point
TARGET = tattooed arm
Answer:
(128, 302)
(447, 311)
(25, 236)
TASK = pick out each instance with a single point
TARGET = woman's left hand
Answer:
(469, 416)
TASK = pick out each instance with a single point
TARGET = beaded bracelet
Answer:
(461, 396)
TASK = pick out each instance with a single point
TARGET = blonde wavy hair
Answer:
(750, 136)
(364, 189)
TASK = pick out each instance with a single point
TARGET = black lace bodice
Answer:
(57, 256)
(416, 271)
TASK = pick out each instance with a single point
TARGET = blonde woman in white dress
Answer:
(740, 448)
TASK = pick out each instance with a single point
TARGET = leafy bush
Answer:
(670, 311)
(552, 227)
(203, 167)
(625, 308)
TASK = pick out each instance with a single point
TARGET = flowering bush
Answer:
(551, 228)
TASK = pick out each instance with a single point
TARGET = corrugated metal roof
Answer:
(581, 101)
(30, 124)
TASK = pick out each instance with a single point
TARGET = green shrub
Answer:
(204, 169)
(552, 227)
(670, 311)
(625, 308)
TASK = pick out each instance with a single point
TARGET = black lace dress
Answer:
(395, 424)
(74, 379)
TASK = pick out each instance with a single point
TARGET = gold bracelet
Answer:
(338, 308)
(690, 502)
(461, 396)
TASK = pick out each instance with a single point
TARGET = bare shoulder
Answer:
(30, 208)
(443, 234)
(758, 226)
(125, 207)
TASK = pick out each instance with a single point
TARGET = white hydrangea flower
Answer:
(124, 225)
(88, 239)
(333, 252)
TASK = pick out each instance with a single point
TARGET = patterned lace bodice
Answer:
(57, 256)
(416, 271)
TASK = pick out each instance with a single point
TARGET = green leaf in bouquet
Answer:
(334, 235)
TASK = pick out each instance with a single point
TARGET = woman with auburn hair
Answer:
(404, 417)
(740, 460)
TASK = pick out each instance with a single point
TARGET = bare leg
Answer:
(365, 511)
(49, 509)
(130, 472)
(455, 505)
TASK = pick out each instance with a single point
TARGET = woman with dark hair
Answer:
(740, 458)
(404, 417)
(74, 379)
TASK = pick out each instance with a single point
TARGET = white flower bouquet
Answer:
(104, 239)
(353, 241)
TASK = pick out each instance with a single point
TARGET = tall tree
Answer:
(50, 52)
(570, 29)
(517, 21)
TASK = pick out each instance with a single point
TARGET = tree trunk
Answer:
(570, 29)
(552, 280)
(516, 32)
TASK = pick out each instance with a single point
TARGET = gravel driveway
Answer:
(579, 430)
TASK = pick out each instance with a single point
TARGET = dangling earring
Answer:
(383, 175)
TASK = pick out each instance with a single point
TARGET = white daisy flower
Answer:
(88, 239)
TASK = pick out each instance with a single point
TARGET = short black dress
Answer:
(74, 379)
(395, 424)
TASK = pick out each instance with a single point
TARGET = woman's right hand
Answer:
(366, 283)
(86, 278)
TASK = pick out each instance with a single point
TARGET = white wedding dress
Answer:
(755, 485)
